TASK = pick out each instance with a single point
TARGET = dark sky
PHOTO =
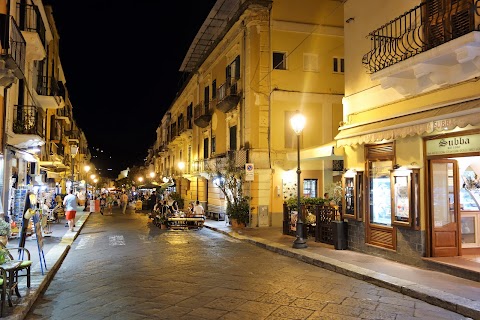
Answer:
(121, 61)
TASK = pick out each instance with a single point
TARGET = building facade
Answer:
(252, 66)
(410, 130)
(43, 150)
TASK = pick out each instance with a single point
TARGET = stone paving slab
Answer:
(442, 298)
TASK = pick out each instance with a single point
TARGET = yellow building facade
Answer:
(249, 73)
(410, 127)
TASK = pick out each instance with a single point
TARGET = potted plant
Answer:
(4, 255)
(5, 229)
(161, 221)
(238, 212)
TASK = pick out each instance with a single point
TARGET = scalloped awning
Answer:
(440, 119)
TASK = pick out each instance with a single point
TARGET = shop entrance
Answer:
(455, 206)
(444, 208)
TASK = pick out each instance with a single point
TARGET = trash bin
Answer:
(340, 235)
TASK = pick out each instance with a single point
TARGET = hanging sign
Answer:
(249, 172)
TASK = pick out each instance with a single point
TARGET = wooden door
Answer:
(444, 208)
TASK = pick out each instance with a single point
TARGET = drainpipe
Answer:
(242, 106)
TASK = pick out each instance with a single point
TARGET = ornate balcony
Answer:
(28, 122)
(401, 55)
(48, 93)
(202, 114)
(33, 30)
(12, 52)
(229, 94)
(234, 158)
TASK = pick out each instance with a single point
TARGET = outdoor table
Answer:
(10, 267)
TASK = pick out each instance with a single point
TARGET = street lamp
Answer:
(298, 123)
(87, 169)
(181, 165)
(73, 153)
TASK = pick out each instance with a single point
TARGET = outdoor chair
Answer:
(3, 289)
(26, 264)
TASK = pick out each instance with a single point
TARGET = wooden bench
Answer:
(216, 212)
(195, 222)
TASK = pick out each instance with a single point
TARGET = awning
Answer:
(54, 166)
(53, 175)
(439, 119)
(323, 152)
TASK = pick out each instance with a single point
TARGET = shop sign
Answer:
(453, 145)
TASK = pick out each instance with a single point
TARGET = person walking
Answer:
(70, 204)
(103, 203)
(124, 202)
(109, 203)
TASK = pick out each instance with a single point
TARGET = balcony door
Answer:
(444, 208)
(447, 20)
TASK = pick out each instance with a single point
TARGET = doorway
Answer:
(454, 206)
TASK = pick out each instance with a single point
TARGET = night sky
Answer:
(121, 61)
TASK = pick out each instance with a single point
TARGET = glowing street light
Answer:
(298, 123)
(181, 165)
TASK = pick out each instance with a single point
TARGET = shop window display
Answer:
(380, 191)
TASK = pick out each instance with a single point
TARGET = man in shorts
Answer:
(70, 204)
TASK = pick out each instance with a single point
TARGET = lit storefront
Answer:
(413, 187)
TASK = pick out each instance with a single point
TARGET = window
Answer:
(233, 138)
(214, 89)
(232, 71)
(280, 61)
(214, 144)
(380, 159)
(380, 192)
(310, 188)
(205, 148)
(189, 116)
(206, 101)
(338, 65)
(310, 62)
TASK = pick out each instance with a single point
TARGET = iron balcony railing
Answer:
(426, 26)
(47, 86)
(201, 109)
(28, 120)
(30, 19)
(14, 46)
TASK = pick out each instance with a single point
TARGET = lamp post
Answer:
(87, 169)
(73, 153)
(298, 123)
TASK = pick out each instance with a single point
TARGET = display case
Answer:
(352, 203)
(405, 198)
(470, 217)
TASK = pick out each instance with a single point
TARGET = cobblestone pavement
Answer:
(123, 267)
